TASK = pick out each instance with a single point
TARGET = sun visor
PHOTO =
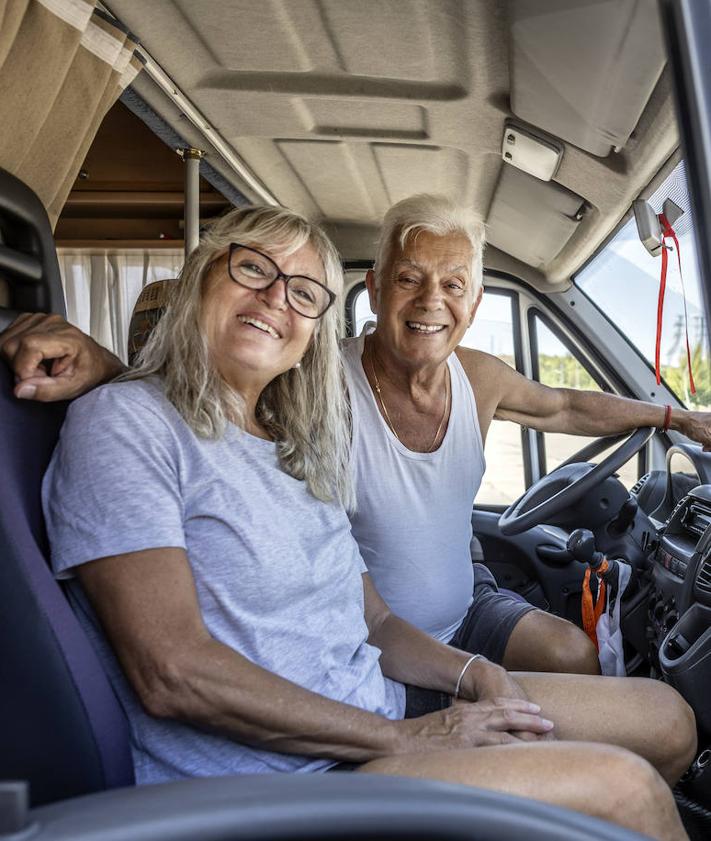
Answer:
(531, 219)
(584, 70)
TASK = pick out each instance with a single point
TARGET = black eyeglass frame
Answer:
(279, 276)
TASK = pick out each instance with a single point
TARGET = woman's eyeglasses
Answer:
(255, 270)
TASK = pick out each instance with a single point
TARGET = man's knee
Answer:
(572, 651)
(541, 642)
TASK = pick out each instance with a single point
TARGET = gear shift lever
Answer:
(581, 545)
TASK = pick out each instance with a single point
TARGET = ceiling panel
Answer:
(421, 169)
(332, 176)
(340, 107)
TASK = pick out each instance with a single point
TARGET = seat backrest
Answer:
(61, 727)
(147, 312)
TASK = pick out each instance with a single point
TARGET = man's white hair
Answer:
(440, 216)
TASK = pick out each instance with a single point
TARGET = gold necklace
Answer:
(387, 414)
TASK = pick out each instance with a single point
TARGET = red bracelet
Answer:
(667, 418)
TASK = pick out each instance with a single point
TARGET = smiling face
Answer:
(426, 299)
(254, 335)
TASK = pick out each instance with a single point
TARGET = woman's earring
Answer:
(298, 365)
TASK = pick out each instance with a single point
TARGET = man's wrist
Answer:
(111, 366)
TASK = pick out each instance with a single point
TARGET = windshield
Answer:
(623, 281)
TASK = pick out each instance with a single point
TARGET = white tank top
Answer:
(413, 517)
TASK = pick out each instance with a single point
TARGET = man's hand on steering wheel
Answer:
(695, 425)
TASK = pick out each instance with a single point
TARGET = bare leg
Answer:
(645, 716)
(541, 642)
(599, 780)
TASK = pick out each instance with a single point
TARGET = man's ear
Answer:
(475, 305)
(372, 291)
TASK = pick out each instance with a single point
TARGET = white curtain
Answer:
(101, 288)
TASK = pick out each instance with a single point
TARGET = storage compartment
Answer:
(685, 660)
(558, 47)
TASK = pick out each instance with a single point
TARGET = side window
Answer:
(557, 366)
(493, 332)
(360, 312)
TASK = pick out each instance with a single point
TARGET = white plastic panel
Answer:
(530, 219)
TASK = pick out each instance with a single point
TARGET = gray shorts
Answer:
(490, 620)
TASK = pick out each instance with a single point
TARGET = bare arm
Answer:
(75, 362)
(148, 606)
(409, 655)
(577, 412)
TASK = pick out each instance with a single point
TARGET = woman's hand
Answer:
(52, 360)
(486, 681)
(470, 725)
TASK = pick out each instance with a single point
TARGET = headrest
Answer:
(149, 307)
(28, 259)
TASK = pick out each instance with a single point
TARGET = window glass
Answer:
(492, 331)
(559, 368)
(362, 312)
(623, 281)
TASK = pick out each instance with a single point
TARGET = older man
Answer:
(421, 409)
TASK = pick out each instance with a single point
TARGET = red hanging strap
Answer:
(668, 232)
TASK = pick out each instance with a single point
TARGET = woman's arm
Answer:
(147, 604)
(412, 656)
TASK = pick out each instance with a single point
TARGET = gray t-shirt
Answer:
(277, 573)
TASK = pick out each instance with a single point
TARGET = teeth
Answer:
(260, 325)
(425, 328)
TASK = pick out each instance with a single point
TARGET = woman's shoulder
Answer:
(124, 399)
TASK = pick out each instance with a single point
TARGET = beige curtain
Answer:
(62, 66)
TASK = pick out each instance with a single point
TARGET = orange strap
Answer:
(593, 611)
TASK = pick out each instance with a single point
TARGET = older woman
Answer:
(199, 503)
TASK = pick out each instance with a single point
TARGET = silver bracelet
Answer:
(461, 674)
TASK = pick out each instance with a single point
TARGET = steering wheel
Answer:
(570, 482)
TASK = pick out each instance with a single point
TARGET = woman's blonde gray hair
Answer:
(440, 216)
(304, 409)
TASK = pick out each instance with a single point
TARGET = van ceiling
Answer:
(341, 108)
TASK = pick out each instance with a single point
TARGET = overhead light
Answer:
(528, 151)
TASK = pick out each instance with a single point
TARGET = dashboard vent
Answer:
(639, 484)
(697, 518)
(703, 577)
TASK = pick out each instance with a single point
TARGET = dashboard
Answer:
(678, 621)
